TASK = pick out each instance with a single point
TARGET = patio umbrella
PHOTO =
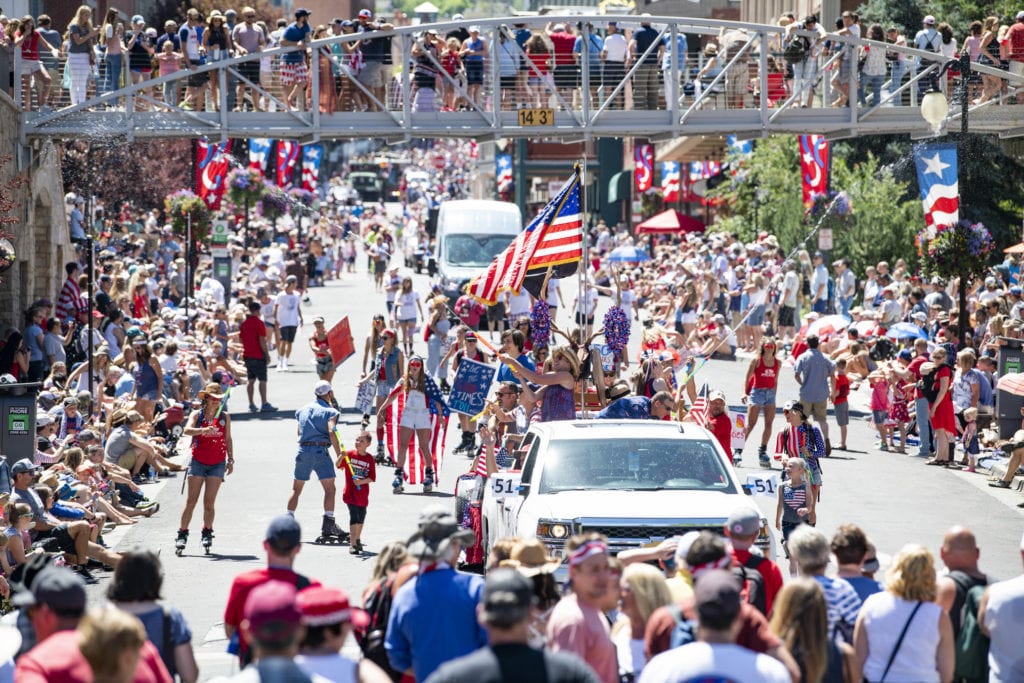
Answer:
(670, 222)
(829, 324)
(1012, 383)
(1015, 249)
(628, 254)
(905, 331)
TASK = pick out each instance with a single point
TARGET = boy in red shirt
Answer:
(841, 401)
(360, 471)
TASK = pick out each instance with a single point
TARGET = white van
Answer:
(470, 233)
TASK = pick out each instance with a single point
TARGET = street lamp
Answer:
(934, 109)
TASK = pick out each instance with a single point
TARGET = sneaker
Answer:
(146, 504)
(85, 574)
(253, 408)
(268, 408)
(353, 550)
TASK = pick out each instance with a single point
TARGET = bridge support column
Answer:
(610, 162)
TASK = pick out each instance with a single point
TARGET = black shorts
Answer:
(508, 82)
(288, 333)
(250, 71)
(64, 541)
(787, 316)
(580, 319)
(566, 75)
(474, 72)
(356, 513)
(496, 313)
(198, 80)
(256, 368)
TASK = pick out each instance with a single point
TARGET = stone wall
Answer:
(41, 237)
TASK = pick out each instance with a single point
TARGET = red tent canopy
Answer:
(670, 221)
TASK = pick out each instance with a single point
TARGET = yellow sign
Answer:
(536, 117)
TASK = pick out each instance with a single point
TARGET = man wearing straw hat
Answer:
(213, 458)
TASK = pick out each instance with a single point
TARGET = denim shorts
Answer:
(879, 417)
(756, 316)
(309, 460)
(762, 397)
(198, 469)
(383, 389)
(149, 396)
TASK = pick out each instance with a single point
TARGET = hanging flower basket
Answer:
(957, 250)
(274, 202)
(182, 204)
(245, 185)
(840, 215)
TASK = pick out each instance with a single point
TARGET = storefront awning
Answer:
(618, 186)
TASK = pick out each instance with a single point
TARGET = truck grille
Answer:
(644, 534)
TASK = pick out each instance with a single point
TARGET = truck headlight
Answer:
(554, 528)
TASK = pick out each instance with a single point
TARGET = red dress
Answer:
(944, 417)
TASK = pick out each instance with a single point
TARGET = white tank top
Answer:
(1004, 617)
(884, 616)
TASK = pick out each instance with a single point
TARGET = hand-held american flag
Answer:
(553, 239)
(938, 178)
(699, 411)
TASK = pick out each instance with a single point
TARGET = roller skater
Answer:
(421, 399)
(330, 533)
(316, 430)
(207, 539)
(212, 459)
(385, 371)
(180, 542)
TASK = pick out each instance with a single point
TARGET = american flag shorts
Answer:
(294, 73)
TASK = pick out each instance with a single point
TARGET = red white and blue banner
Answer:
(670, 179)
(741, 147)
(287, 158)
(643, 167)
(212, 165)
(503, 172)
(702, 170)
(553, 239)
(311, 157)
(259, 154)
(814, 166)
(938, 179)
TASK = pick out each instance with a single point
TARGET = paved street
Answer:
(894, 497)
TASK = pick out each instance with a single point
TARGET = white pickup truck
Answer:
(637, 482)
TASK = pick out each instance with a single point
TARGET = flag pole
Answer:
(581, 169)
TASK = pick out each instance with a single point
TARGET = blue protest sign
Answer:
(470, 387)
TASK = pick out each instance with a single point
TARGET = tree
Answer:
(907, 14)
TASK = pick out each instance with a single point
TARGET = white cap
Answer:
(683, 546)
(322, 388)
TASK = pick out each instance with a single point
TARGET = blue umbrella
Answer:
(905, 331)
(628, 255)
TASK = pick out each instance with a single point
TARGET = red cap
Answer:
(321, 606)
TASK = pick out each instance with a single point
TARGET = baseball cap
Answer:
(743, 521)
(302, 12)
(437, 528)
(284, 533)
(58, 588)
(1020, 15)
(43, 420)
(455, 17)
(918, 315)
(906, 354)
(24, 465)
(291, 278)
(507, 597)
(138, 19)
(559, 27)
(70, 401)
(929, 19)
(322, 388)
(318, 319)
(321, 606)
(717, 596)
(365, 14)
(1015, 290)
(716, 395)
(683, 544)
(272, 610)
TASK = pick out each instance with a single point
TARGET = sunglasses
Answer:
(415, 365)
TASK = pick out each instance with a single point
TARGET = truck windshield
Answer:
(474, 251)
(649, 464)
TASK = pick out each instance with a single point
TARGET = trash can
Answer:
(1011, 360)
(18, 413)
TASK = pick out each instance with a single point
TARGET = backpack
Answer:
(685, 630)
(753, 581)
(971, 645)
(795, 51)
(371, 639)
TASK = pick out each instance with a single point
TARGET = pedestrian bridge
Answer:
(743, 90)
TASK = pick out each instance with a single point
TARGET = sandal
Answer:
(936, 462)
(999, 484)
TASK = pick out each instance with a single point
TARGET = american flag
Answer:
(553, 238)
(259, 154)
(701, 170)
(670, 180)
(415, 466)
(503, 167)
(939, 182)
(699, 411)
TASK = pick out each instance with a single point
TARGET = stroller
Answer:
(170, 424)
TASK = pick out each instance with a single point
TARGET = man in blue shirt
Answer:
(657, 407)
(595, 45)
(434, 616)
(294, 72)
(814, 373)
(316, 429)
(512, 343)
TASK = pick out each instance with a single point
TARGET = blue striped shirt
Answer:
(843, 603)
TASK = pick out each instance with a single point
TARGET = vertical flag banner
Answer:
(311, 156)
(670, 180)
(259, 154)
(503, 172)
(553, 239)
(814, 166)
(643, 171)
(938, 178)
(212, 164)
(287, 158)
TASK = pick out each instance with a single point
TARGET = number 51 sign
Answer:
(763, 486)
(505, 484)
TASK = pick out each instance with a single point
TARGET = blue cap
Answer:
(284, 533)
(906, 354)
(1015, 290)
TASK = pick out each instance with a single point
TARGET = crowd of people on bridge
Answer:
(627, 64)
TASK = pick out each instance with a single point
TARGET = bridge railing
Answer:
(546, 82)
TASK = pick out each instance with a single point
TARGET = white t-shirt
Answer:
(553, 293)
(587, 304)
(288, 309)
(615, 47)
(628, 299)
(790, 288)
(719, 661)
(405, 304)
(169, 364)
(333, 667)
(518, 304)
